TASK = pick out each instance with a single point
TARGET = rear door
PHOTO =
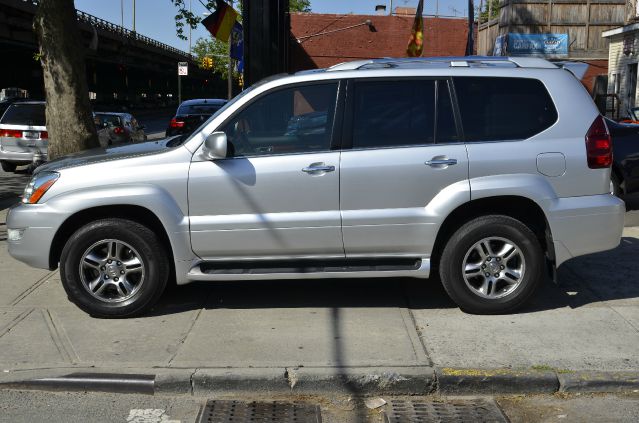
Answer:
(405, 150)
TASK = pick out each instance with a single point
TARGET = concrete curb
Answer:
(305, 380)
(496, 381)
(598, 381)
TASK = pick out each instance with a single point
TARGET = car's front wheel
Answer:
(492, 265)
(114, 268)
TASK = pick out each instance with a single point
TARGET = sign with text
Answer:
(183, 68)
(537, 44)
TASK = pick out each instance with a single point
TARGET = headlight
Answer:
(38, 185)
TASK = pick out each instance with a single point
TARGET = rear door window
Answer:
(393, 113)
(24, 114)
(499, 109)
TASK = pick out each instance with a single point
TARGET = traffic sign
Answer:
(183, 68)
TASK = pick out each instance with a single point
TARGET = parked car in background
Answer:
(624, 182)
(23, 134)
(118, 128)
(191, 114)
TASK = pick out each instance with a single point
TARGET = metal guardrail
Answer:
(120, 30)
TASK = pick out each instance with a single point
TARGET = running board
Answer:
(309, 269)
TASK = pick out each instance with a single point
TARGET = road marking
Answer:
(149, 415)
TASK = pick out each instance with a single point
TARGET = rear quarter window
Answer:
(24, 114)
(500, 109)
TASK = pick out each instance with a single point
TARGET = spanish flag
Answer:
(416, 42)
(220, 22)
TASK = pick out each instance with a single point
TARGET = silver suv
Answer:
(489, 173)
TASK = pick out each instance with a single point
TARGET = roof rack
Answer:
(462, 61)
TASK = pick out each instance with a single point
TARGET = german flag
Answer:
(220, 22)
(416, 42)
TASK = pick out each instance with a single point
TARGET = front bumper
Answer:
(40, 225)
(585, 225)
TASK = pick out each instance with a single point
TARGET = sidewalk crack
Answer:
(184, 338)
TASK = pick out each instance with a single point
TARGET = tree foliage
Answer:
(494, 10)
(218, 51)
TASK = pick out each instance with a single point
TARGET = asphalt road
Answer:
(70, 407)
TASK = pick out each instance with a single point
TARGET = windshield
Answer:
(198, 109)
(634, 113)
(24, 114)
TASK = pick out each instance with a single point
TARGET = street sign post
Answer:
(183, 70)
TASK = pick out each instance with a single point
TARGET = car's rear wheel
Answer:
(492, 265)
(8, 166)
(114, 268)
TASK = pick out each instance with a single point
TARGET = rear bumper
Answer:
(585, 225)
(20, 157)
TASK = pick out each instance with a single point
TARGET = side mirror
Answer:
(215, 146)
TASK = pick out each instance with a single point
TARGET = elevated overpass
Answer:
(123, 67)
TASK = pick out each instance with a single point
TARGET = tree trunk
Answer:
(68, 111)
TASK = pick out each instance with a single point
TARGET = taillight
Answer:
(44, 135)
(176, 123)
(11, 133)
(118, 130)
(599, 145)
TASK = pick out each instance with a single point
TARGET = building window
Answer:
(92, 95)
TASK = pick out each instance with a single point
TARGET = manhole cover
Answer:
(262, 412)
(417, 411)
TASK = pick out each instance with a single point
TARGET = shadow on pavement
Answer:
(606, 276)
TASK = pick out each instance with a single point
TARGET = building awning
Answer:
(621, 30)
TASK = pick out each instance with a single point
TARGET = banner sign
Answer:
(500, 45)
(536, 44)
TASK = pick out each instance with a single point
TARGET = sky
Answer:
(156, 18)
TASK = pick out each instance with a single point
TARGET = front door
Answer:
(277, 195)
(405, 152)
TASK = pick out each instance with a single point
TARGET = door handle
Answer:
(435, 162)
(318, 167)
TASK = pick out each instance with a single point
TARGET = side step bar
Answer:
(306, 269)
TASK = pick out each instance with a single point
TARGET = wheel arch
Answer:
(521, 208)
(134, 213)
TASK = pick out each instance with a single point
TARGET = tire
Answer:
(615, 186)
(8, 166)
(463, 268)
(139, 255)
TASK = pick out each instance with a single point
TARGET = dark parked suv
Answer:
(191, 114)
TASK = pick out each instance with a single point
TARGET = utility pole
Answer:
(190, 29)
(470, 44)
(391, 8)
(133, 15)
(230, 75)
(122, 13)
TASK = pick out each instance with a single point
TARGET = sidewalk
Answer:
(302, 334)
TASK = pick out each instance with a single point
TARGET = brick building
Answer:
(349, 37)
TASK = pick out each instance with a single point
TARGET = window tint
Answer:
(198, 109)
(24, 114)
(393, 113)
(292, 120)
(446, 129)
(494, 109)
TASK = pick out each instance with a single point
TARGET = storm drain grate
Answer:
(417, 411)
(259, 412)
